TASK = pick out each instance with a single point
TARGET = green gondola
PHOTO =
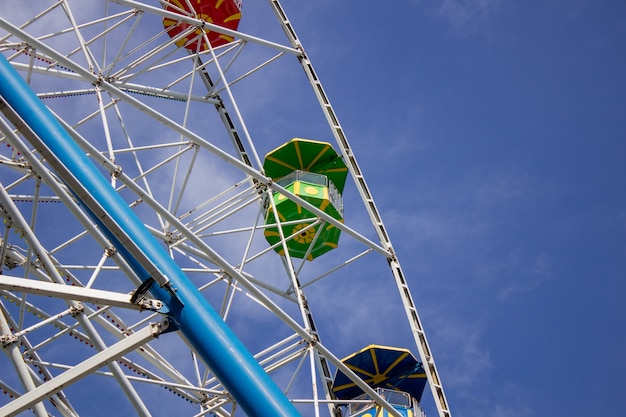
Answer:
(313, 171)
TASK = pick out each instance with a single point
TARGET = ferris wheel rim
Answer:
(232, 271)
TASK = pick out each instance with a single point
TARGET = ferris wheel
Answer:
(180, 208)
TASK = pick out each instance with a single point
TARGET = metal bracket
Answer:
(150, 304)
(138, 297)
(139, 294)
(77, 309)
(8, 339)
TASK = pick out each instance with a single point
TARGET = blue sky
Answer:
(492, 135)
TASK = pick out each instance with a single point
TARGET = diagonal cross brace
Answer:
(76, 373)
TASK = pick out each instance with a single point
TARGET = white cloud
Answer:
(506, 400)
(515, 274)
(463, 350)
(500, 187)
(467, 15)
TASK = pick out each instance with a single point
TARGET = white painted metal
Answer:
(67, 292)
(78, 372)
(180, 136)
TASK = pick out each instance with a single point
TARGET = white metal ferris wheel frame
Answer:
(249, 164)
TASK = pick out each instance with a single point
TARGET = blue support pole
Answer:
(255, 392)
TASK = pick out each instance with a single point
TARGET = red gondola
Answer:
(225, 13)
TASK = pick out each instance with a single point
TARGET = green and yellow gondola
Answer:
(313, 171)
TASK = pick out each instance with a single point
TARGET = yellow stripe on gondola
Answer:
(296, 191)
(317, 157)
(415, 376)
(396, 362)
(359, 370)
(374, 361)
(344, 386)
(227, 38)
(167, 22)
(344, 169)
(236, 16)
(179, 4)
(296, 146)
(280, 162)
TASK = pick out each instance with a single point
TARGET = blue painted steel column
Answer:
(255, 392)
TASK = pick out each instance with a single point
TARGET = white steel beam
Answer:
(132, 342)
(206, 25)
(13, 350)
(68, 292)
